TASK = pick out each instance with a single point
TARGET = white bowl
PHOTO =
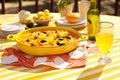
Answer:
(42, 22)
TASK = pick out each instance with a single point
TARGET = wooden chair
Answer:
(36, 5)
(52, 7)
(3, 6)
(115, 6)
(20, 5)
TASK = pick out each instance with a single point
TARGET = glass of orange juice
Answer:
(104, 39)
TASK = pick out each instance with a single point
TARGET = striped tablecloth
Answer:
(92, 71)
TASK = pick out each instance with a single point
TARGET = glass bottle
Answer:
(93, 18)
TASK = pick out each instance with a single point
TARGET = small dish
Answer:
(63, 21)
(42, 22)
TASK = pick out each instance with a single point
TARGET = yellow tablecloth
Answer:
(92, 71)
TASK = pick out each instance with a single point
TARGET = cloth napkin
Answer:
(76, 58)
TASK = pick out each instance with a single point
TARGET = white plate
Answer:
(73, 26)
(11, 27)
(63, 21)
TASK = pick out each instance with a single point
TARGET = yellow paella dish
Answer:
(44, 41)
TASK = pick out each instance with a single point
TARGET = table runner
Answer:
(76, 58)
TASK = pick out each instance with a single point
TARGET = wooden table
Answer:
(92, 71)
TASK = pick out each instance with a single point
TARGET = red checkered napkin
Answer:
(76, 58)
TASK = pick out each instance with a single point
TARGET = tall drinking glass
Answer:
(83, 7)
(104, 39)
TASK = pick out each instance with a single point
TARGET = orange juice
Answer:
(104, 41)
